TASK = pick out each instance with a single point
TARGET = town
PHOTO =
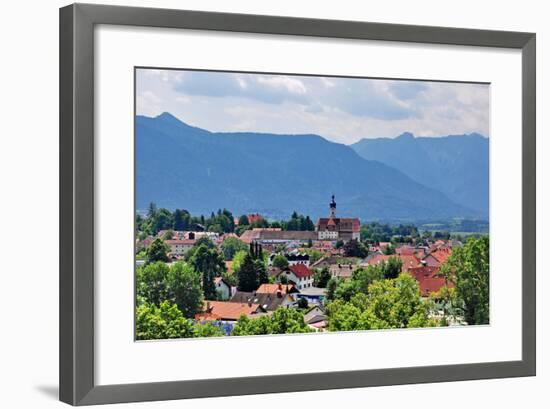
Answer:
(230, 276)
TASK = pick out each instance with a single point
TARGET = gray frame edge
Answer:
(76, 281)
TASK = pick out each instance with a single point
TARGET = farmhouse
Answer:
(299, 275)
(178, 248)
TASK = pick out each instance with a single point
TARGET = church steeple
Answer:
(332, 208)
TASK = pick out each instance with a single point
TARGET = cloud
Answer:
(339, 109)
(273, 89)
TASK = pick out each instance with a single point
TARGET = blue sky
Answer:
(342, 110)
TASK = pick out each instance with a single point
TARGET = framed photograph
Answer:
(354, 199)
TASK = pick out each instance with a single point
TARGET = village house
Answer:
(437, 256)
(267, 236)
(407, 261)
(430, 280)
(292, 258)
(268, 296)
(316, 318)
(222, 288)
(179, 248)
(343, 271)
(299, 275)
(313, 295)
(337, 228)
(227, 310)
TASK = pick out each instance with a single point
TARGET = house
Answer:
(292, 258)
(227, 310)
(429, 278)
(299, 275)
(337, 228)
(407, 261)
(269, 301)
(315, 317)
(437, 257)
(277, 236)
(222, 288)
(276, 289)
(343, 271)
(328, 261)
(178, 248)
(313, 295)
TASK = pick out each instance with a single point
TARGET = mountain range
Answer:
(181, 166)
(456, 165)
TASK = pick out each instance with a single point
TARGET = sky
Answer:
(342, 110)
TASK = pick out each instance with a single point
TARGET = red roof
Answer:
(408, 261)
(274, 288)
(254, 218)
(405, 250)
(429, 279)
(342, 223)
(225, 310)
(441, 254)
(300, 270)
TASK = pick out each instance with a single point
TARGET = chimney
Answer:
(208, 307)
(280, 287)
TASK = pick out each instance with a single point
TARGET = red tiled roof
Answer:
(441, 254)
(408, 261)
(342, 223)
(429, 279)
(274, 288)
(254, 218)
(226, 310)
(300, 270)
(405, 250)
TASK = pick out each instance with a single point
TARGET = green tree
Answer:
(389, 249)
(332, 285)
(321, 277)
(162, 220)
(162, 322)
(151, 282)
(390, 303)
(302, 303)
(261, 271)
(231, 246)
(364, 277)
(353, 248)
(168, 235)
(208, 329)
(247, 277)
(157, 251)
(209, 262)
(280, 261)
(392, 267)
(243, 220)
(184, 285)
(181, 220)
(151, 210)
(281, 321)
(238, 259)
(468, 269)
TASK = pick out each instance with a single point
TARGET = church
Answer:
(337, 228)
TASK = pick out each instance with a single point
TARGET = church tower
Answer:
(332, 208)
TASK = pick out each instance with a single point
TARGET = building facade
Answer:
(337, 228)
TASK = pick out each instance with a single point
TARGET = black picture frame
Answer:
(76, 331)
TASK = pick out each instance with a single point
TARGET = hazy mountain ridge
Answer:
(456, 165)
(179, 166)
